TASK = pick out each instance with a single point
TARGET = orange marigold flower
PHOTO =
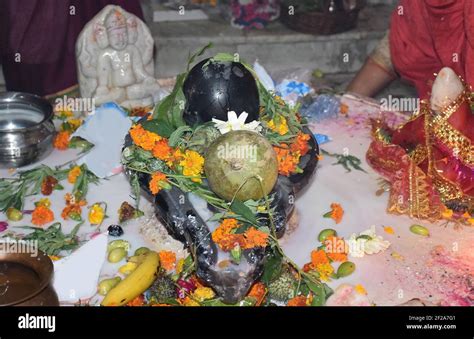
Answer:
(297, 301)
(138, 301)
(287, 162)
(258, 292)
(167, 260)
(319, 257)
(157, 182)
(336, 248)
(223, 237)
(144, 138)
(255, 238)
(42, 215)
(61, 141)
(344, 109)
(300, 144)
(336, 212)
(338, 257)
(162, 150)
(72, 206)
(73, 174)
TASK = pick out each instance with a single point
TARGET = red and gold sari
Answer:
(429, 161)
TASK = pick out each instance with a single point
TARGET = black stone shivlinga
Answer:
(212, 88)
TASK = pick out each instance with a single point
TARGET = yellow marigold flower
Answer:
(96, 214)
(44, 202)
(203, 293)
(180, 266)
(447, 213)
(73, 174)
(360, 289)
(192, 164)
(325, 271)
(74, 123)
(389, 230)
(63, 113)
(190, 302)
(282, 126)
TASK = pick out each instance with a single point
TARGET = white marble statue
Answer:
(114, 55)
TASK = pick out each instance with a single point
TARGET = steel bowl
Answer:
(26, 128)
(26, 278)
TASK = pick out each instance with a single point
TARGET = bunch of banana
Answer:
(135, 283)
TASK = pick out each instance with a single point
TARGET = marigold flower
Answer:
(389, 230)
(73, 207)
(344, 109)
(318, 257)
(297, 301)
(43, 202)
(162, 150)
(447, 213)
(336, 213)
(258, 292)
(96, 214)
(192, 164)
(223, 237)
(157, 182)
(287, 162)
(203, 293)
(42, 215)
(48, 184)
(300, 144)
(73, 174)
(143, 138)
(75, 123)
(255, 238)
(61, 141)
(325, 271)
(281, 127)
(336, 248)
(167, 260)
(138, 301)
(189, 302)
(360, 289)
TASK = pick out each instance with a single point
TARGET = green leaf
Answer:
(241, 209)
(177, 135)
(162, 128)
(196, 54)
(272, 268)
(319, 294)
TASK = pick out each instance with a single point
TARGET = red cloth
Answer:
(426, 34)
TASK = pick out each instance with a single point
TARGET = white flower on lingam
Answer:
(235, 123)
(367, 242)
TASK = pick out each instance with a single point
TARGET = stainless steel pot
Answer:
(26, 128)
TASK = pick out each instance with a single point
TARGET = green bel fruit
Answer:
(14, 215)
(141, 250)
(345, 269)
(241, 164)
(117, 254)
(420, 230)
(326, 233)
(107, 284)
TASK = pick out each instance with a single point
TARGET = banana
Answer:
(135, 283)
